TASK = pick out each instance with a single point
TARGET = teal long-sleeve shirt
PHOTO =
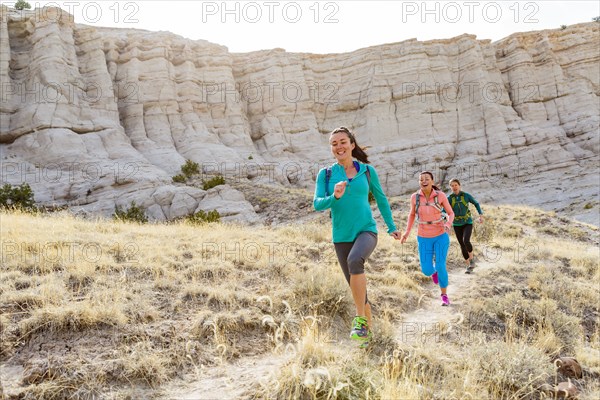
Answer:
(462, 215)
(351, 214)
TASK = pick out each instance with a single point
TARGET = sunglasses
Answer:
(341, 129)
(344, 130)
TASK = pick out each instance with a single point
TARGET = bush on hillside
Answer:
(190, 168)
(211, 183)
(19, 197)
(202, 217)
(134, 213)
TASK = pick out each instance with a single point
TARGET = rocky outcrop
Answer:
(89, 120)
(93, 117)
(511, 119)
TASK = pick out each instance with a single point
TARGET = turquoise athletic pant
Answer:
(436, 246)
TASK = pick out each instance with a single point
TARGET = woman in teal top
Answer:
(463, 222)
(344, 188)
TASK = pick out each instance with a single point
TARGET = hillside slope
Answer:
(97, 309)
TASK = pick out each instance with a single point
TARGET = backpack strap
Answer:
(417, 201)
(327, 177)
(467, 211)
(357, 166)
(367, 172)
(435, 204)
(462, 200)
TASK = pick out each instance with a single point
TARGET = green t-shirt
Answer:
(351, 214)
(460, 206)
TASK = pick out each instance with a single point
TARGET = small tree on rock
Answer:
(22, 4)
(19, 197)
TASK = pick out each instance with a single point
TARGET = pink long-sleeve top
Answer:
(430, 213)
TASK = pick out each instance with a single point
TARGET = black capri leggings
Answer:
(463, 235)
(352, 255)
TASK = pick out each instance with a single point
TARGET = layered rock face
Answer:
(94, 117)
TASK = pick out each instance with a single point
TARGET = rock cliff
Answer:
(96, 117)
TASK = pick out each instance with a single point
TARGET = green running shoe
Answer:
(360, 329)
(365, 342)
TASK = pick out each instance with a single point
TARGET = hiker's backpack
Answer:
(435, 204)
(464, 202)
(357, 166)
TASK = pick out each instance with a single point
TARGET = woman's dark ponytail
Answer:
(360, 154)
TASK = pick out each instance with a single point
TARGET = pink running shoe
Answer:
(445, 300)
(434, 278)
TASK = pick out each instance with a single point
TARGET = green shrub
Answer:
(588, 206)
(216, 181)
(596, 19)
(202, 217)
(21, 4)
(190, 168)
(133, 214)
(20, 197)
(563, 27)
(179, 178)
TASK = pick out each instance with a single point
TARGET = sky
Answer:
(327, 26)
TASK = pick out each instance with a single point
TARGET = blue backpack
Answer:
(357, 166)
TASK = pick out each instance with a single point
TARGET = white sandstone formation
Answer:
(96, 117)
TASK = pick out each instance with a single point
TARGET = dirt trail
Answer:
(232, 381)
(228, 381)
(431, 318)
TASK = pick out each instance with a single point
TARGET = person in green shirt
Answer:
(463, 221)
(344, 188)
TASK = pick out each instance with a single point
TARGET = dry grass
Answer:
(97, 309)
(160, 300)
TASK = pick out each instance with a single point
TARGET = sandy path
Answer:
(426, 323)
(228, 381)
(431, 319)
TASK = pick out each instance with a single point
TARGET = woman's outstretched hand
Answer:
(396, 235)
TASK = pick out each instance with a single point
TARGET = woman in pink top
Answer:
(432, 235)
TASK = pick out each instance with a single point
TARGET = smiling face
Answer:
(455, 187)
(426, 182)
(341, 147)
